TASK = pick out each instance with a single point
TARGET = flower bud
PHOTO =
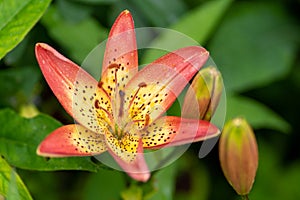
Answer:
(238, 154)
(204, 92)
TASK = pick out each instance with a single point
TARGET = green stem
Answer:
(245, 197)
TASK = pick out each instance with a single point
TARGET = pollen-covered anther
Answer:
(142, 84)
(113, 66)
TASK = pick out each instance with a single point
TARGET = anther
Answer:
(142, 84)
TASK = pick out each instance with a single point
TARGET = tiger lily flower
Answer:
(123, 112)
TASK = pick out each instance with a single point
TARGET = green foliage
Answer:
(17, 18)
(163, 184)
(95, 1)
(133, 193)
(86, 32)
(20, 138)
(258, 115)
(197, 174)
(254, 45)
(11, 185)
(197, 25)
(251, 50)
(100, 185)
(18, 88)
(284, 179)
(144, 11)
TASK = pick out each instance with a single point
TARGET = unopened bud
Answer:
(204, 92)
(238, 154)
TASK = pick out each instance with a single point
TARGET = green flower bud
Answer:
(238, 154)
(204, 92)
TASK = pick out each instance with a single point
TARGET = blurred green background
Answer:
(255, 45)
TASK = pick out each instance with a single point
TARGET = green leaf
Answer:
(193, 179)
(97, 187)
(192, 29)
(96, 1)
(254, 46)
(79, 38)
(73, 12)
(11, 185)
(163, 183)
(161, 18)
(20, 137)
(284, 178)
(17, 18)
(258, 115)
(200, 22)
(15, 86)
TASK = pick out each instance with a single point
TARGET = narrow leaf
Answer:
(254, 45)
(78, 38)
(17, 18)
(258, 115)
(194, 28)
(11, 185)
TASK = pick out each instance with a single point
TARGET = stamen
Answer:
(101, 108)
(116, 67)
(147, 120)
(100, 85)
(142, 84)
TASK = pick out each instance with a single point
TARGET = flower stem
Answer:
(245, 197)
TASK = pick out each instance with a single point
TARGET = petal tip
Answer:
(145, 177)
(40, 151)
(142, 177)
(126, 12)
(203, 51)
(41, 45)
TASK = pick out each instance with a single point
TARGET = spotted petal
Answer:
(173, 131)
(152, 91)
(72, 140)
(120, 62)
(75, 89)
(128, 153)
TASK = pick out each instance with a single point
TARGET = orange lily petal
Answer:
(152, 91)
(128, 153)
(75, 89)
(173, 131)
(120, 62)
(72, 140)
